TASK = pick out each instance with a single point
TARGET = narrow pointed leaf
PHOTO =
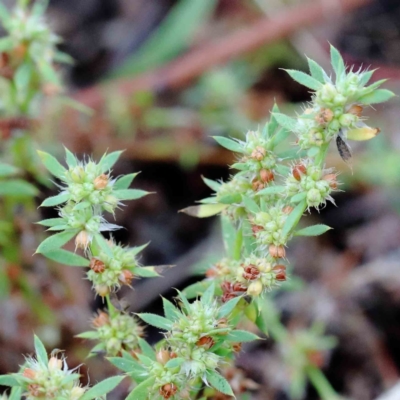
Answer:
(125, 181)
(52, 165)
(17, 188)
(294, 217)
(377, 96)
(67, 258)
(204, 210)
(304, 79)
(147, 350)
(51, 222)
(103, 244)
(314, 230)
(218, 382)
(208, 295)
(108, 161)
(8, 380)
(7, 170)
(211, 184)
(56, 241)
(141, 391)
(228, 307)
(241, 336)
(229, 144)
(316, 71)
(196, 289)
(70, 158)
(40, 350)
(286, 122)
(251, 205)
(271, 190)
(156, 320)
(55, 200)
(337, 62)
(102, 388)
(170, 311)
(130, 194)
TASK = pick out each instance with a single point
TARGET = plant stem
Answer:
(237, 249)
(321, 384)
(110, 307)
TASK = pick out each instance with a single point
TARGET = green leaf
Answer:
(196, 289)
(273, 123)
(156, 320)
(250, 205)
(7, 170)
(146, 349)
(294, 217)
(314, 230)
(56, 200)
(8, 380)
(281, 136)
(52, 165)
(141, 391)
(16, 393)
(317, 71)
(88, 335)
(365, 77)
(185, 306)
(304, 79)
(229, 144)
(218, 382)
(48, 73)
(286, 122)
(228, 233)
(123, 364)
(17, 188)
(56, 241)
(337, 63)
(70, 158)
(108, 161)
(103, 244)
(204, 210)
(175, 362)
(130, 194)
(271, 190)
(102, 388)
(66, 257)
(146, 272)
(22, 76)
(40, 350)
(377, 96)
(170, 311)
(125, 181)
(212, 184)
(228, 307)
(241, 336)
(82, 205)
(208, 295)
(313, 151)
(298, 197)
(231, 198)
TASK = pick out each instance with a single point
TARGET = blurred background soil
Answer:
(218, 71)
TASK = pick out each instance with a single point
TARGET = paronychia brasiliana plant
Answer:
(260, 206)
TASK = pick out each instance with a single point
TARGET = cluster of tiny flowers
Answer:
(108, 272)
(115, 333)
(51, 381)
(252, 277)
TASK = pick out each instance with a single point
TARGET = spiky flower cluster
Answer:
(199, 339)
(272, 189)
(43, 378)
(115, 332)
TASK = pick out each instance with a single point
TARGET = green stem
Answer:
(320, 158)
(111, 309)
(321, 384)
(237, 249)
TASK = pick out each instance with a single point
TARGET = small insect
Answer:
(343, 148)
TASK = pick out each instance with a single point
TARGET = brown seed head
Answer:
(168, 390)
(34, 390)
(29, 373)
(222, 323)
(226, 286)
(163, 356)
(126, 277)
(257, 185)
(211, 273)
(97, 265)
(256, 229)
(173, 354)
(325, 116)
(287, 210)
(280, 272)
(267, 175)
(101, 320)
(237, 347)
(100, 182)
(238, 287)
(206, 341)
(331, 179)
(277, 251)
(251, 272)
(298, 170)
(258, 153)
(356, 110)
(228, 296)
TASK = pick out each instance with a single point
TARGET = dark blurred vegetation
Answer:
(349, 278)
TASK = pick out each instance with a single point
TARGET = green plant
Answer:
(260, 206)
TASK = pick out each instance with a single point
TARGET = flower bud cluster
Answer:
(51, 381)
(316, 183)
(115, 333)
(109, 271)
